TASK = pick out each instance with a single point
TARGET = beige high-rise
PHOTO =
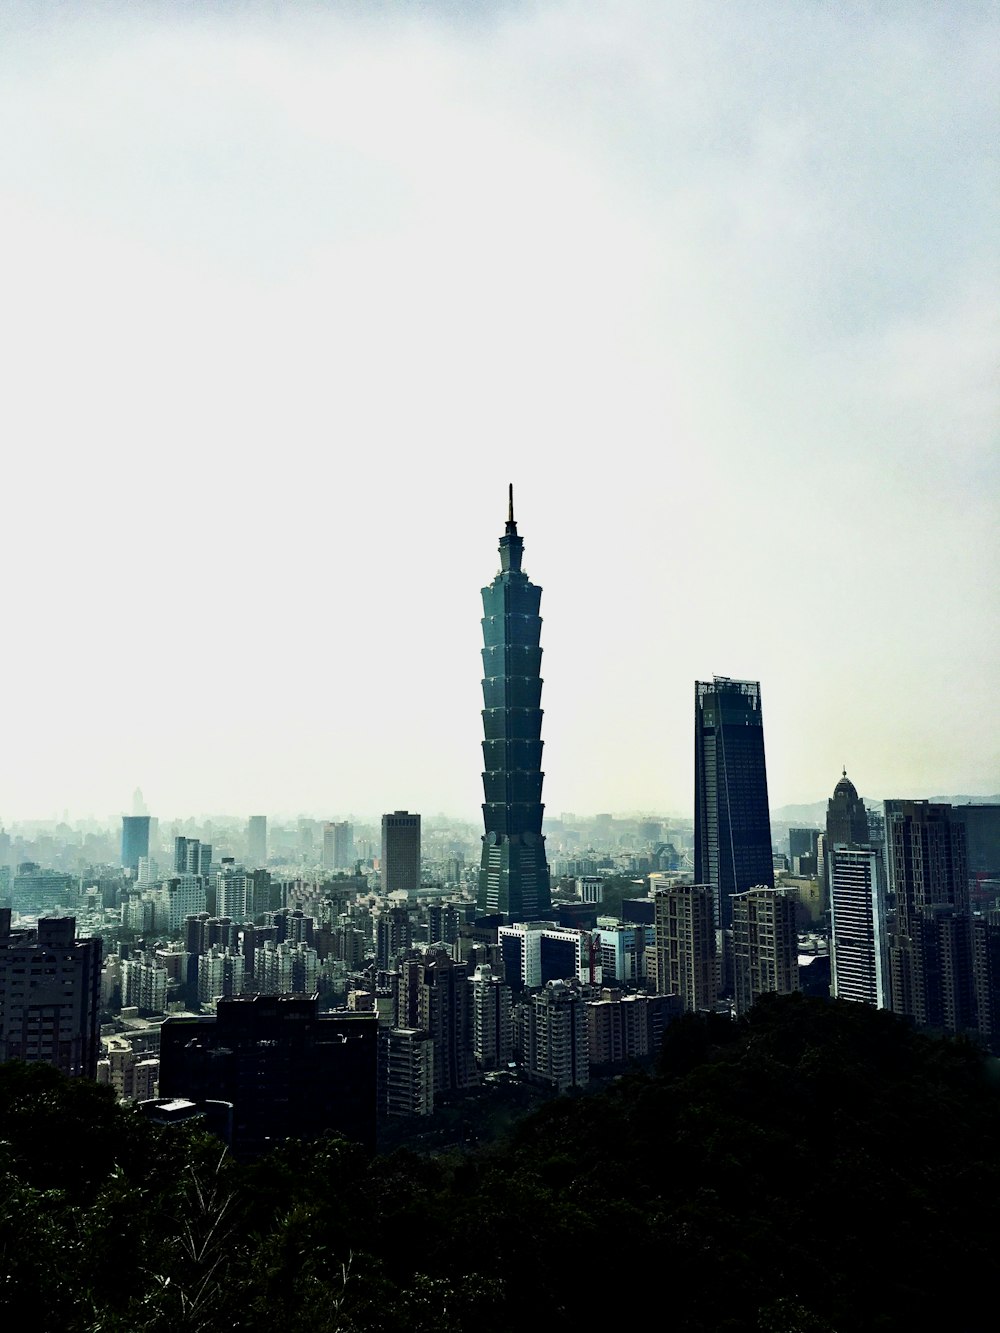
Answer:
(684, 929)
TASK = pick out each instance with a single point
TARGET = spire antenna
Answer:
(510, 503)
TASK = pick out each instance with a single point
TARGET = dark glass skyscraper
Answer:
(732, 822)
(135, 840)
(514, 874)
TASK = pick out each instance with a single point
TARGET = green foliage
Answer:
(814, 1167)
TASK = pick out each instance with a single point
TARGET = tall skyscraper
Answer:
(732, 825)
(257, 841)
(765, 945)
(514, 872)
(400, 864)
(859, 954)
(135, 840)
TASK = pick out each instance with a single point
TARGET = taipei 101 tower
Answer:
(514, 874)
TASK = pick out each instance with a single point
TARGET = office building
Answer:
(35, 891)
(400, 863)
(622, 948)
(765, 945)
(257, 841)
(135, 841)
(536, 952)
(684, 939)
(514, 872)
(803, 850)
(982, 838)
(859, 952)
(732, 827)
(289, 1071)
(50, 995)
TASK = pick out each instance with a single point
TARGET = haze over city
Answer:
(299, 291)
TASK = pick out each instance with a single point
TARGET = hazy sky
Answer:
(292, 291)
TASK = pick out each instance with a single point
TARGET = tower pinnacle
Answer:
(511, 545)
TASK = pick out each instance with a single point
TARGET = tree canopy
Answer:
(813, 1167)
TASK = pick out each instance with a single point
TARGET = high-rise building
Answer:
(927, 858)
(986, 977)
(35, 891)
(192, 857)
(732, 826)
(406, 1072)
(859, 956)
(514, 872)
(338, 846)
(144, 983)
(931, 948)
(684, 935)
(556, 1037)
(434, 996)
(50, 995)
(765, 945)
(289, 1071)
(393, 936)
(233, 891)
(184, 896)
(221, 972)
(803, 850)
(135, 841)
(846, 816)
(491, 1022)
(257, 841)
(400, 864)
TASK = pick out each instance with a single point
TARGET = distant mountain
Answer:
(815, 812)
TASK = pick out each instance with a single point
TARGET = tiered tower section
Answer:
(514, 874)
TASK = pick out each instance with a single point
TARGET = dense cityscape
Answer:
(403, 975)
(377, 956)
(279, 983)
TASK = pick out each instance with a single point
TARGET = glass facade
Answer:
(514, 873)
(732, 824)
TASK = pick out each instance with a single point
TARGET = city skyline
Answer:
(716, 289)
